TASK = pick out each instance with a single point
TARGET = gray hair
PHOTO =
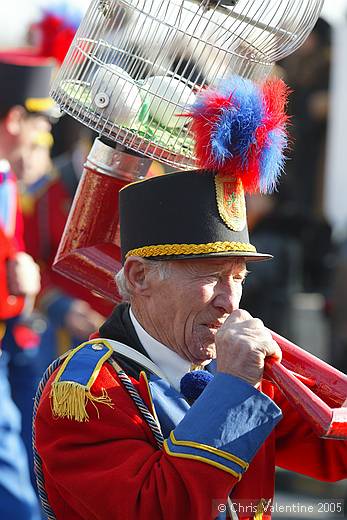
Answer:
(161, 268)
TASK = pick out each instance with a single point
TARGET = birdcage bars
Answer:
(124, 44)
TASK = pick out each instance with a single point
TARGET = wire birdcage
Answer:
(135, 66)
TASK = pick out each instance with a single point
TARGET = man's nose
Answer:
(228, 295)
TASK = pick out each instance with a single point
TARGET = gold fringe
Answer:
(260, 510)
(69, 399)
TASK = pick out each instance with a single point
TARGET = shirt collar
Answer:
(170, 363)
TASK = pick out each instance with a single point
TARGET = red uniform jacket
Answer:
(110, 466)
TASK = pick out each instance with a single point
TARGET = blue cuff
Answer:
(58, 308)
(226, 425)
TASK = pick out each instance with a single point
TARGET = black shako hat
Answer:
(185, 215)
(25, 80)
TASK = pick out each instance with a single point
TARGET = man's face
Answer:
(192, 302)
(30, 127)
(36, 163)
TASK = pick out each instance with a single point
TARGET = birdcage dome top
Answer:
(135, 65)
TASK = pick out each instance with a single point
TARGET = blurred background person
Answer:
(25, 110)
(46, 191)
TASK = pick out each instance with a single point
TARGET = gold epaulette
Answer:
(71, 388)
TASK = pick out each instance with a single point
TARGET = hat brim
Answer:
(249, 257)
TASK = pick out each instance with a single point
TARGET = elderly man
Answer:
(115, 436)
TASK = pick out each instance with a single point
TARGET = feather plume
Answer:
(240, 128)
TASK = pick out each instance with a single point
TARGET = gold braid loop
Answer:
(191, 249)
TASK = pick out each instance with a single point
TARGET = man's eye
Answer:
(240, 279)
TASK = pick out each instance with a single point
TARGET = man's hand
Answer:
(23, 275)
(81, 320)
(242, 344)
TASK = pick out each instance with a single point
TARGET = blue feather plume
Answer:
(240, 128)
(272, 160)
(236, 128)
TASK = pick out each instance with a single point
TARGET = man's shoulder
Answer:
(85, 375)
(83, 399)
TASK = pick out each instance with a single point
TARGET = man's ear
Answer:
(136, 274)
(14, 119)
